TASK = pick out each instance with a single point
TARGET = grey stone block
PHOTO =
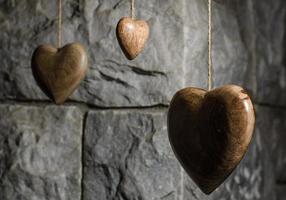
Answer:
(127, 155)
(272, 126)
(281, 192)
(118, 146)
(247, 49)
(270, 51)
(40, 153)
(112, 80)
(230, 56)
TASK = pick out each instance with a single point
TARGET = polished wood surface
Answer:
(210, 132)
(132, 36)
(59, 71)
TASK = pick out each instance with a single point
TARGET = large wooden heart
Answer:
(210, 132)
(59, 71)
(132, 36)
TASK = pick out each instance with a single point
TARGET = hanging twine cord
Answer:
(210, 67)
(132, 9)
(59, 19)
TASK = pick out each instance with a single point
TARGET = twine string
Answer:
(59, 23)
(132, 9)
(210, 67)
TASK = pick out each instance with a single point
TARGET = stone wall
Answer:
(109, 142)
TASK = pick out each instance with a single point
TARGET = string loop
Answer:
(59, 23)
(132, 9)
(210, 45)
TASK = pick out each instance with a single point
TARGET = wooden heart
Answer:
(132, 36)
(210, 132)
(59, 71)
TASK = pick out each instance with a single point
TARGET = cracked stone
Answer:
(127, 156)
(112, 80)
(40, 152)
(246, 50)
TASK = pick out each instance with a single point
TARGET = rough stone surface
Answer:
(246, 50)
(127, 156)
(40, 153)
(270, 51)
(145, 168)
(272, 125)
(112, 80)
(126, 151)
(248, 46)
(230, 58)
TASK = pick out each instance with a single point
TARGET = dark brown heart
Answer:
(59, 71)
(210, 132)
(132, 36)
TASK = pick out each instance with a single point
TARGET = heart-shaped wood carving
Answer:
(210, 132)
(59, 71)
(132, 36)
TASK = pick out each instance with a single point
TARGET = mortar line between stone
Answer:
(84, 106)
(84, 121)
(88, 107)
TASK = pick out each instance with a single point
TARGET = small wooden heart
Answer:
(132, 36)
(59, 71)
(210, 132)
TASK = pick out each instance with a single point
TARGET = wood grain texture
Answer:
(132, 36)
(210, 132)
(59, 71)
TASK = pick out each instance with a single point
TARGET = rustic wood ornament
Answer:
(132, 34)
(210, 131)
(59, 71)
